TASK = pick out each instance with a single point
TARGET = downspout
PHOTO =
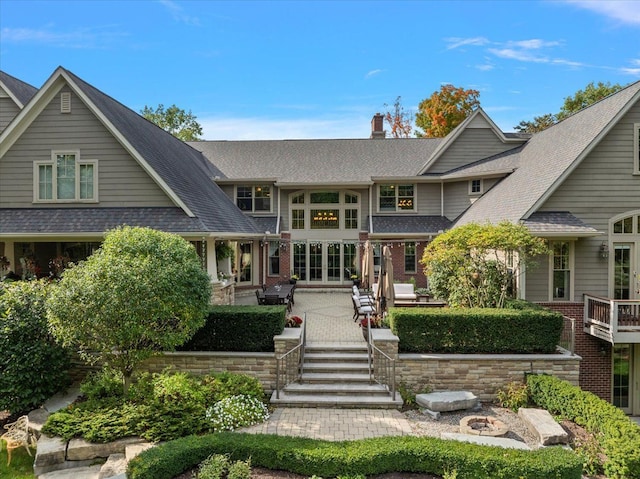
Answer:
(441, 198)
(265, 258)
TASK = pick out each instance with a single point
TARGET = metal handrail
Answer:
(382, 363)
(287, 365)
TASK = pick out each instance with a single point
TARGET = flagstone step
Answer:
(320, 377)
(336, 368)
(338, 401)
(339, 389)
(337, 356)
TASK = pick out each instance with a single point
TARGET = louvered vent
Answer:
(65, 102)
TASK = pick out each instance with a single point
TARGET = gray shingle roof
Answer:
(405, 224)
(267, 223)
(502, 162)
(558, 222)
(95, 220)
(19, 89)
(546, 157)
(183, 168)
(319, 161)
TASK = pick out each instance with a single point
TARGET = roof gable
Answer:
(477, 119)
(19, 91)
(181, 171)
(548, 159)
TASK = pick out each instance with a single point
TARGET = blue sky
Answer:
(273, 70)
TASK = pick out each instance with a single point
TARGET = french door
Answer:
(626, 377)
(323, 262)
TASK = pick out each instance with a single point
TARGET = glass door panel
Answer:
(350, 260)
(315, 262)
(622, 280)
(333, 262)
(300, 260)
(622, 377)
(245, 260)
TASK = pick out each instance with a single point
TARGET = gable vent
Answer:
(65, 102)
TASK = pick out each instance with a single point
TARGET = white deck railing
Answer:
(614, 320)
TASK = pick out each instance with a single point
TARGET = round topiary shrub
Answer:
(33, 366)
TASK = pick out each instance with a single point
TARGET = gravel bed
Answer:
(424, 425)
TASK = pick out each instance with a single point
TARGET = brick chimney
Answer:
(377, 127)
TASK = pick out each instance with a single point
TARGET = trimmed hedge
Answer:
(238, 328)
(310, 457)
(618, 436)
(482, 331)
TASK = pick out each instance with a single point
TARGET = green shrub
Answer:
(408, 392)
(311, 457)
(103, 384)
(482, 331)
(225, 384)
(238, 328)
(513, 395)
(213, 467)
(159, 407)
(239, 470)
(33, 366)
(619, 437)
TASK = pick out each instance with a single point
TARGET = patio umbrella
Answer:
(385, 295)
(367, 266)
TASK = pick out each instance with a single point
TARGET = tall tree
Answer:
(444, 110)
(143, 292)
(181, 124)
(399, 120)
(572, 104)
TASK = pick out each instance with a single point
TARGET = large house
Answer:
(74, 163)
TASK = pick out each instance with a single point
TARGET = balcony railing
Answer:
(614, 320)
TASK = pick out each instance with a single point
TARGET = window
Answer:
(410, 257)
(297, 219)
(561, 271)
(253, 198)
(351, 219)
(396, 198)
(624, 226)
(636, 148)
(274, 258)
(475, 187)
(65, 178)
(325, 219)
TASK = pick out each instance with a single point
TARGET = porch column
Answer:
(212, 267)
(10, 254)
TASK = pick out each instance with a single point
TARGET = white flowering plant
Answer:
(237, 411)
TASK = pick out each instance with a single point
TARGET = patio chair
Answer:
(260, 298)
(360, 309)
(365, 298)
(17, 435)
(272, 299)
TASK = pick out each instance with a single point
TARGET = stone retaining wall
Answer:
(482, 374)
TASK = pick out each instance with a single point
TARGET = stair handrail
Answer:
(287, 365)
(385, 366)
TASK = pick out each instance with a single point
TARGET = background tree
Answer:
(400, 121)
(142, 292)
(572, 104)
(473, 265)
(444, 110)
(33, 366)
(181, 124)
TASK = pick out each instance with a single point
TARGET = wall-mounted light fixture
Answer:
(604, 250)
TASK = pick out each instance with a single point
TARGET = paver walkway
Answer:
(329, 320)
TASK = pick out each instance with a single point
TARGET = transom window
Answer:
(626, 225)
(65, 178)
(253, 197)
(396, 198)
(322, 210)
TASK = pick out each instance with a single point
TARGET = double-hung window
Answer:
(253, 198)
(396, 197)
(561, 270)
(65, 178)
(409, 257)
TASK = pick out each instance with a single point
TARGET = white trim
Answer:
(636, 148)
(396, 188)
(9, 94)
(65, 102)
(79, 161)
(571, 269)
(480, 191)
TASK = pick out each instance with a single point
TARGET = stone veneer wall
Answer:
(262, 366)
(223, 293)
(482, 374)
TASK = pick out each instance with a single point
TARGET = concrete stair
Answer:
(336, 376)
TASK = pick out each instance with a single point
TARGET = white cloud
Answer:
(624, 11)
(256, 128)
(631, 71)
(520, 55)
(456, 42)
(177, 12)
(533, 44)
(96, 37)
(373, 73)
(485, 67)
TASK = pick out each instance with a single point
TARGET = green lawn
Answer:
(21, 464)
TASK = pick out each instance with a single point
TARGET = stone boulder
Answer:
(447, 401)
(543, 426)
